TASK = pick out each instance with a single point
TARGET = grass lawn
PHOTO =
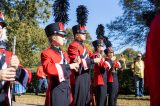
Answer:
(123, 100)
(130, 100)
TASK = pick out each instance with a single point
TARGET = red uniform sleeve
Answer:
(117, 64)
(72, 52)
(8, 55)
(104, 64)
(54, 69)
(40, 73)
(48, 64)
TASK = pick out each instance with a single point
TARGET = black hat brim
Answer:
(61, 32)
(82, 31)
(3, 23)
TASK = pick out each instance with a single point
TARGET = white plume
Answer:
(4, 35)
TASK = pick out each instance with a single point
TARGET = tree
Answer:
(70, 36)
(130, 54)
(23, 18)
(130, 28)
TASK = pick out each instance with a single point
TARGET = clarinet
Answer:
(12, 82)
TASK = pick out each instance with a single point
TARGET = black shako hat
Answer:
(97, 43)
(79, 29)
(82, 17)
(55, 28)
(60, 9)
(108, 50)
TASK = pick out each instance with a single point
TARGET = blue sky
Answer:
(100, 12)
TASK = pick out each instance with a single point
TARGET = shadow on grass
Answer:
(34, 105)
(33, 94)
(131, 97)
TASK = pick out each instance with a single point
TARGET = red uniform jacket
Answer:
(40, 73)
(22, 75)
(114, 65)
(75, 49)
(152, 62)
(98, 78)
(54, 65)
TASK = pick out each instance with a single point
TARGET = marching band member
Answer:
(112, 76)
(78, 49)
(9, 68)
(100, 74)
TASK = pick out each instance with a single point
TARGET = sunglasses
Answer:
(61, 35)
(110, 52)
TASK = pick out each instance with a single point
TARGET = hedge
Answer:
(126, 82)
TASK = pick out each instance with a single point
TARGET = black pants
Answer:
(82, 90)
(100, 95)
(113, 90)
(60, 95)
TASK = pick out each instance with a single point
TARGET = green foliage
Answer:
(28, 10)
(70, 36)
(130, 54)
(88, 38)
(23, 17)
(33, 84)
(30, 40)
(126, 82)
(126, 77)
(130, 28)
